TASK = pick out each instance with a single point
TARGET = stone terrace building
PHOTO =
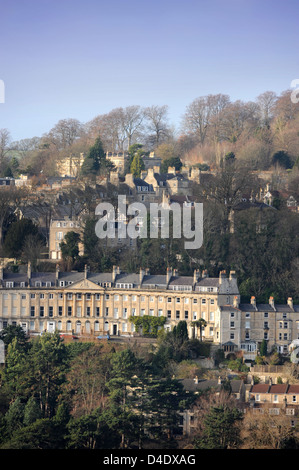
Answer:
(275, 399)
(101, 303)
(245, 326)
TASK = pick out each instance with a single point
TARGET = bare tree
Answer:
(227, 186)
(217, 104)
(5, 141)
(284, 107)
(65, 132)
(25, 146)
(197, 118)
(132, 119)
(266, 103)
(235, 117)
(157, 126)
(267, 431)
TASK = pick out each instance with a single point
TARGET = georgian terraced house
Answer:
(245, 325)
(86, 303)
(101, 303)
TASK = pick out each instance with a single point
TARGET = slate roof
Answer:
(259, 307)
(99, 278)
(71, 276)
(248, 205)
(181, 280)
(141, 182)
(128, 279)
(192, 386)
(158, 280)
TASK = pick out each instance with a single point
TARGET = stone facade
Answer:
(245, 326)
(57, 231)
(70, 166)
(101, 303)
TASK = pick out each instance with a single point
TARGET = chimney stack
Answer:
(86, 270)
(196, 276)
(168, 275)
(29, 271)
(114, 273)
(222, 275)
(1, 272)
(205, 274)
(236, 302)
(290, 303)
(141, 275)
(271, 302)
(253, 301)
(57, 272)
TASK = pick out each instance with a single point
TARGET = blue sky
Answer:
(77, 59)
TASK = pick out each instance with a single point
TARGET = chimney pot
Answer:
(290, 302)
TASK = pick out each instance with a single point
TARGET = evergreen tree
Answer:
(15, 367)
(124, 388)
(263, 348)
(32, 411)
(137, 165)
(166, 399)
(14, 416)
(171, 162)
(16, 236)
(95, 160)
(46, 369)
(221, 429)
(182, 331)
(14, 331)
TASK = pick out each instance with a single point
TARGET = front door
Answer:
(51, 327)
(114, 330)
